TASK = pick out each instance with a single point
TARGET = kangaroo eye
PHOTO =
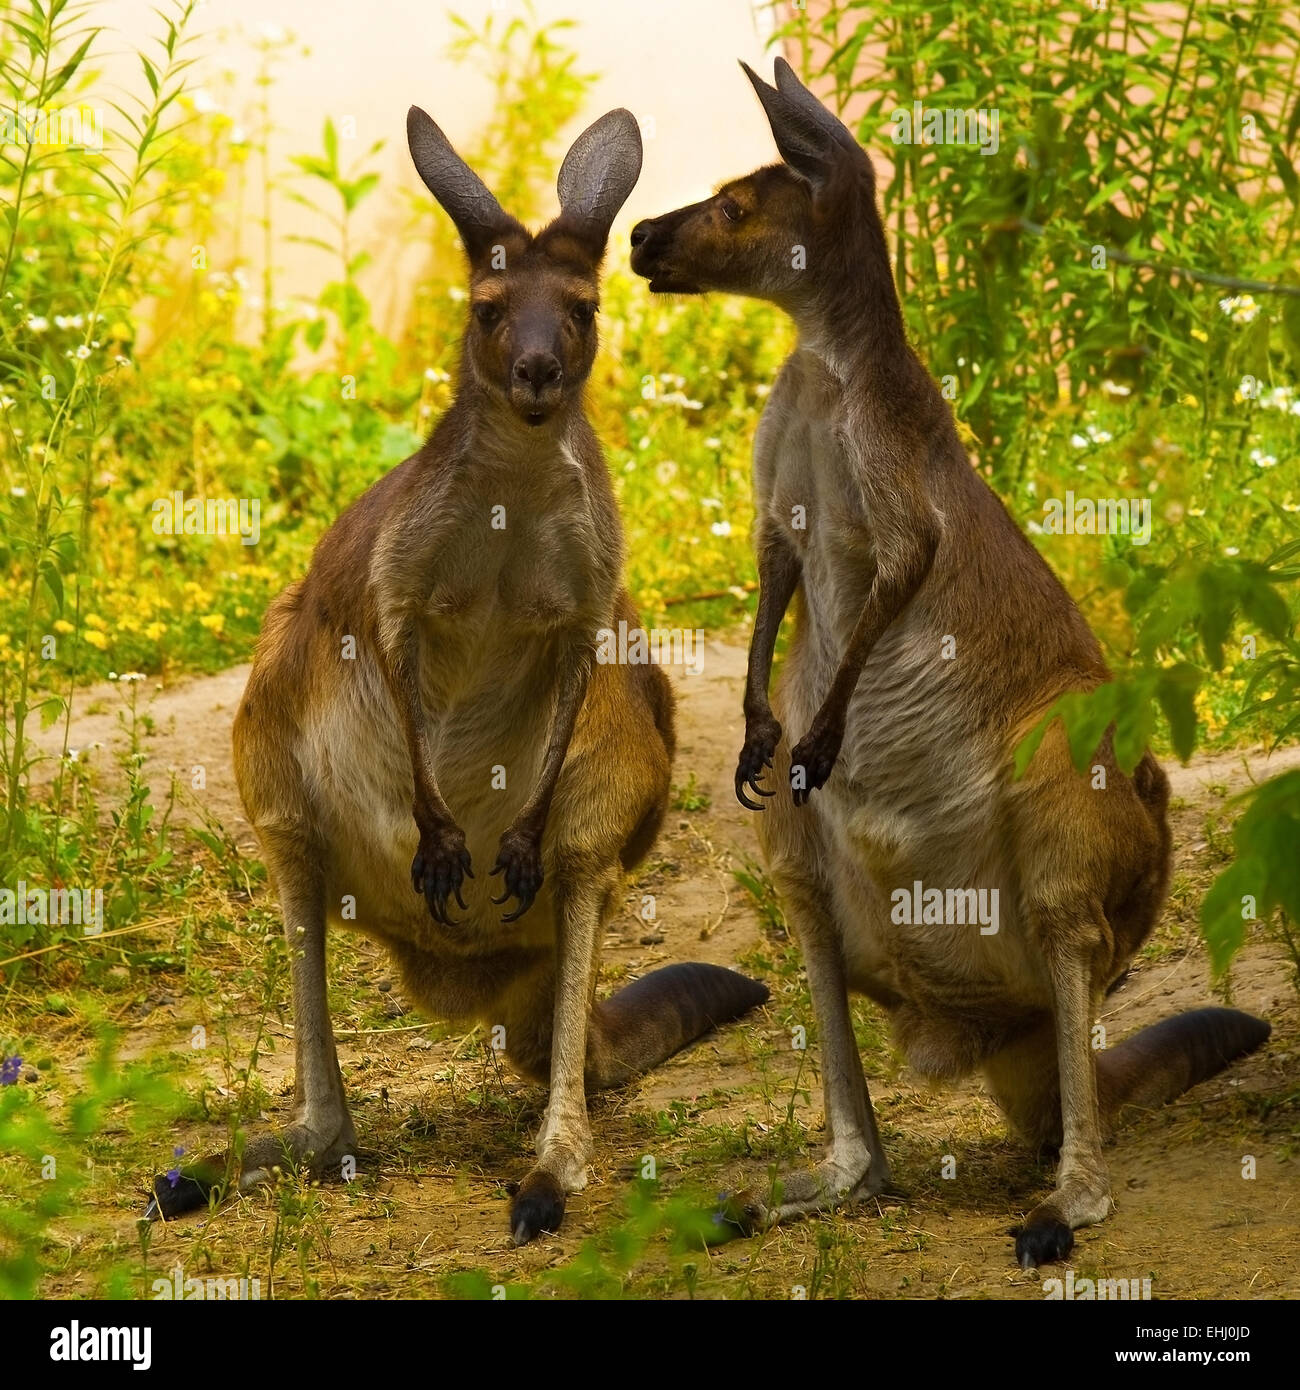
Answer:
(488, 315)
(584, 313)
(732, 210)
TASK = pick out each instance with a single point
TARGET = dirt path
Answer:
(441, 1132)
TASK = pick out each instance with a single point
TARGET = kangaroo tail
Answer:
(1162, 1061)
(657, 1015)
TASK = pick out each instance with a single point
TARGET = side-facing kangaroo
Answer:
(901, 556)
(438, 658)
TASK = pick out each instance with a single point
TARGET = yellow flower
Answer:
(96, 639)
(94, 620)
(155, 630)
(63, 626)
(1200, 335)
(214, 622)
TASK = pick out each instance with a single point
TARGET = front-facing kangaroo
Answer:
(438, 657)
(929, 637)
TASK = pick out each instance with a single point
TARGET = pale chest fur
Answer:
(916, 791)
(500, 567)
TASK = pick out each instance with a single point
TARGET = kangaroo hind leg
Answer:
(321, 1132)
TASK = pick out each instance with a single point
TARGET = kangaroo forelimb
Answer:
(813, 757)
(520, 857)
(778, 577)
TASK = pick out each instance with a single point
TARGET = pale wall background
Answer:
(672, 60)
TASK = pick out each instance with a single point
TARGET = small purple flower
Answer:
(174, 1174)
(10, 1070)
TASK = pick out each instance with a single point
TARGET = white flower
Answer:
(721, 528)
(204, 102)
(238, 135)
(7, 402)
(712, 443)
(271, 33)
(1262, 460)
(1241, 308)
(665, 472)
(456, 294)
(17, 492)
(712, 504)
(37, 324)
(83, 352)
(1115, 388)
(436, 374)
(122, 361)
(1231, 550)
(1078, 441)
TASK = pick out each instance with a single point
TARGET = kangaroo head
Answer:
(531, 337)
(772, 233)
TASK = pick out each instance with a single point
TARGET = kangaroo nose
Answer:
(538, 369)
(641, 232)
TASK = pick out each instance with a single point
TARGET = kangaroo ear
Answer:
(804, 143)
(788, 84)
(599, 172)
(464, 196)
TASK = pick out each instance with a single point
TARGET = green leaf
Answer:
(1176, 691)
(1222, 923)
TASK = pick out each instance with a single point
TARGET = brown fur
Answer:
(443, 639)
(909, 755)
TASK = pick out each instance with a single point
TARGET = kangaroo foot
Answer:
(1048, 1231)
(839, 1180)
(190, 1187)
